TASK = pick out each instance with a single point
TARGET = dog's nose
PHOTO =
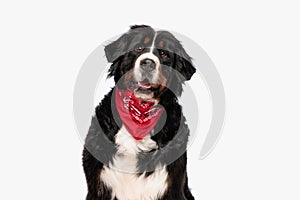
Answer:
(148, 64)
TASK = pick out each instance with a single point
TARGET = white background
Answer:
(254, 44)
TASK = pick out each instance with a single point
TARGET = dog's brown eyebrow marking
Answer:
(161, 44)
(146, 40)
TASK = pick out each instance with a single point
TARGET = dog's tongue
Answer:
(145, 83)
(138, 116)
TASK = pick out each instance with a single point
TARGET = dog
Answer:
(135, 148)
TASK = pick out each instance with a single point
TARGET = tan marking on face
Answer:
(163, 82)
(128, 78)
(161, 44)
(161, 85)
(146, 40)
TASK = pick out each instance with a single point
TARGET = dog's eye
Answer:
(139, 49)
(163, 54)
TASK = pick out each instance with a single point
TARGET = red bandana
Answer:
(139, 117)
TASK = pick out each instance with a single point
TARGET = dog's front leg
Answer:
(92, 168)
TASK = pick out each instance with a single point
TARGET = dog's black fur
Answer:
(171, 139)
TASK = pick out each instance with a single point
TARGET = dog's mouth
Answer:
(144, 89)
(144, 84)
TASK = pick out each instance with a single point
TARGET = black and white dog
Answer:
(136, 145)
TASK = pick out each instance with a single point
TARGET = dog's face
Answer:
(149, 62)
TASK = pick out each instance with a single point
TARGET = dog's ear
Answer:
(185, 67)
(116, 49)
(184, 63)
(114, 70)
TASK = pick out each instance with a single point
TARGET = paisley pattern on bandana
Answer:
(138, 116)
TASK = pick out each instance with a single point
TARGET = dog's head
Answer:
(149, 62)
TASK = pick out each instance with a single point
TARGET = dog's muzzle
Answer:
(146, 67)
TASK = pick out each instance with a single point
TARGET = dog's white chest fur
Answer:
(121, 178)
